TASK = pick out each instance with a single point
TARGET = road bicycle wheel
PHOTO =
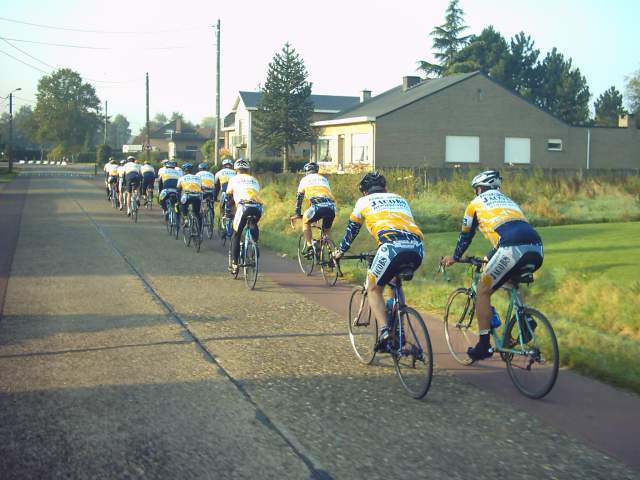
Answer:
(168, 220)
(306, 262)
(150, 199)
(234, 275)
(414, 360)
(186, 232)
(209, 221)
(328, 265)
(534, 369)
(196, 232)
(251, 264)
(460, 327)
(176, 223)
(114, 199)
(134, 208)
(363, 328)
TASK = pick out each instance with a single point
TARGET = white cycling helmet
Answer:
(488, 179)
(241, 163)
(227, 162)
(131, 158)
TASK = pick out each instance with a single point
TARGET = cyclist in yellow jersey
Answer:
(243, 192)
(208, 180)
(133, 178)
(222, 179)
(168, 177)
(190, 191)
(517, 248)
(390, 222)
(322, 206)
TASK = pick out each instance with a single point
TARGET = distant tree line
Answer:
(552, 82)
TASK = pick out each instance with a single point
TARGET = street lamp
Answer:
(11, 127)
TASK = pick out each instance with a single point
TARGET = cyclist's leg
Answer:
(184, 206)
(256, 212)
(309, 216)
(196, 201)
(328, 216)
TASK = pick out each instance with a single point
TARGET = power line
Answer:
(68, 29)
(87, 47)
(25, 63)
(55, 68)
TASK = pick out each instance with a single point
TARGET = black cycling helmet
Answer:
(170, 164)
(187, 167)
(311, 167)
(227, 162)
(203, 166)
(372, 182)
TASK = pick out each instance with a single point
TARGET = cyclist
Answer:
(316, 189)
(148, 179)
(168, 177)
(190, 192)
(133, 177)
(208, 180)
(517, 247)
(242, 191)
(222, 179)
(121, 184)
(389, 220)
(111, 173)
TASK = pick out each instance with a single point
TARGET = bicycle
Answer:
(114, 196)
(173, 218)
(527, 341)
(208, 217)
(223, 225)
(191, 231)
(249, 255)
(409, 344)
(148, 198)
(134, 199)
(321, 255)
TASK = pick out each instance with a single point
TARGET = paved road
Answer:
(123, 354)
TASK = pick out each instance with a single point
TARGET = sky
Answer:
(347, 46)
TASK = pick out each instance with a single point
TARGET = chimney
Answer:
(365, 95)
(626, 120)
(408, 82)
(178, 125)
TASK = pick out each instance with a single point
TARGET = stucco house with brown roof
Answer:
(178, 140)
(238, 129)
(466, 119)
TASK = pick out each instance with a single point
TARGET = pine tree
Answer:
(607, 107)
(447, 40)
(284, 114)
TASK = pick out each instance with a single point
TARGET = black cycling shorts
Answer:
(132, 179)
(321, 210)
(148, 180)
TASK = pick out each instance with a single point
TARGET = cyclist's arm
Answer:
(299, 199)
(469, 227)
(216, 189)
(353, 228)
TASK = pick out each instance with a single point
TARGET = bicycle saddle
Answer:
(405, 271)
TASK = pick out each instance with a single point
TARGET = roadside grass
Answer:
(588, 286)
(5, 176)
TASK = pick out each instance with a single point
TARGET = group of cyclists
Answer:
(516, 246)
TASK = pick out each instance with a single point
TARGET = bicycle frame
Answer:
(515, 307)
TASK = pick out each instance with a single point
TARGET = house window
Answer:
(191, 148)
(517, 150)
(460, 149)
(324, 150)
(554, 144)
(360, 148)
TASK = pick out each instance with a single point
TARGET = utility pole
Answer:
(11, 128)
(147, 145)
(106, 107)
(217, 134)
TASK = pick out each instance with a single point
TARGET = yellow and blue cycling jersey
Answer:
(190, 183)
(315, 188)
(208, 180)
(388, 218)
(244, 188)
(500, 220)
(222, 180)
(168, 178)
(111, 169)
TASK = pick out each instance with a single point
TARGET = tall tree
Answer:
(160, 118)
(23, 128)
(208, 122)
(67, 109)
(632, 90)
(447, 40)
(119, 132)
(522, 70)
(563, 90)
(608, 106)
(284, 114)
(487, 52)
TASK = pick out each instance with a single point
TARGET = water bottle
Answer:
(495, 319)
